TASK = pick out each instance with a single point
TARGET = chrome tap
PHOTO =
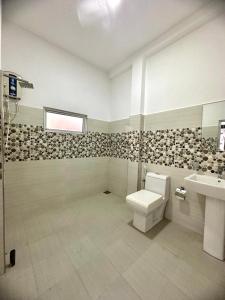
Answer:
(220, 171)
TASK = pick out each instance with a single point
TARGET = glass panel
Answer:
(222, 135)
(2, 199)
(213, 125)
(62, 122)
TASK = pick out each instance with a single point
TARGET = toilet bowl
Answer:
(149, 204)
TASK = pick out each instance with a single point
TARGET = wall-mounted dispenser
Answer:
(180, 193)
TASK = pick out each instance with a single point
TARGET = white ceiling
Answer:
(136, 23)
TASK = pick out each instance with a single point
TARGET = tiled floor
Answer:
(86, 250)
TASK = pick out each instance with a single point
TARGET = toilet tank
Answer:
(158, 183)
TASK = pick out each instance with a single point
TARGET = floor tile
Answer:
(119, 290)
(68, 234)
(161, 259)
(171, 292)
(62, 218)
(81, 251)
(50, 271)
(121, 255)
(18, 285)
(195, 285)
(68, 289)
(145, 280)
(44, 248)
(85, 249)
(15, 235)
(207, 265)
(35, 229)
(135, 239)
(97, 275)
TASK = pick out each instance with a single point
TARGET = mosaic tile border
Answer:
(33, 143)
(181, 148)
(171, 147)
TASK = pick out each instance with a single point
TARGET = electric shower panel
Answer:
(12, 87)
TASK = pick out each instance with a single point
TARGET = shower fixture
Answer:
(26, 84)
(12, 94)
(11, 85)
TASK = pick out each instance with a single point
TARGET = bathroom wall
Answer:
(188, 72)
(45, 170)
(61, 80)
(179, 77)
(171, 142)
(118, 127)
(168, 144)
(178, 80)
(120, 96)
(173, 155)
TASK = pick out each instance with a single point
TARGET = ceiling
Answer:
(136, 23)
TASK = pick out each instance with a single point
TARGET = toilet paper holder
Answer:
(180, 193)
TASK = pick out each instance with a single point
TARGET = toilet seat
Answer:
(144, 201)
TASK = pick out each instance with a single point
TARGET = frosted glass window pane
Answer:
(63, 122)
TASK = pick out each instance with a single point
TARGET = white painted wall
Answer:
(189, 72)
(121, 96)
(61, 80)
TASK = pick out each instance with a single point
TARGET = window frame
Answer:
(64, 113)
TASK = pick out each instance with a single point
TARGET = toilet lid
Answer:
(146, 200)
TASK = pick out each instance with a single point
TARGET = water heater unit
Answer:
(12, 86)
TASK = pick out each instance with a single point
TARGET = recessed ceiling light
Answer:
(113, 4)
(90, 11)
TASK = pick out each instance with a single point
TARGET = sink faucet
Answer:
(220, 171)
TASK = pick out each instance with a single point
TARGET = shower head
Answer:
(25, 84)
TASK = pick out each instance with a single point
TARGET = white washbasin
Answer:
(214, 229)
(206, 185)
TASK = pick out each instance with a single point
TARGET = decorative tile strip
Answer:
(171, 147)
(187, 147)
(157, 147)
(33, 143)
(125, 145)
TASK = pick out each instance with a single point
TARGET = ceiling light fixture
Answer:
(91, 11)
(113, 4)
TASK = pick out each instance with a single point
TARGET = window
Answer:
(64, 121)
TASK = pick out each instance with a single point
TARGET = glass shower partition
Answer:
(2, 204)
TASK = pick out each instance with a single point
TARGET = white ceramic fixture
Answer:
(149, 204)
(214, 230)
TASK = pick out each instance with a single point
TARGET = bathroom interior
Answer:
(112, 150)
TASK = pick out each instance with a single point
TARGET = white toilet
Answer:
(149, 204)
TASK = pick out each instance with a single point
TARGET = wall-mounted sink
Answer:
(206, 185)
(214, 230)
